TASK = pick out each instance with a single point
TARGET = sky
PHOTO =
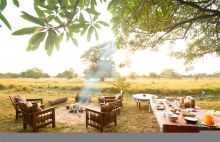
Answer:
(14, 57)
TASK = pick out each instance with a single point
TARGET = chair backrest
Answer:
(122, 93)
(13, 101)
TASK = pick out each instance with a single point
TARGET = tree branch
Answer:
(192, 4)
(189, 21)
(70, 20)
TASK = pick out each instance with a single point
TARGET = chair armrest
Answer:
(92, 110)
(35, 99)
(109, 97)
(109, 100)
(51, 109)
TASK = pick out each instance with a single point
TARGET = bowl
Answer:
(191, 120)
(172, 117)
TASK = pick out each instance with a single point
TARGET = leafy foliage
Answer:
(100, 61)
(69, 74)
(34, 73)
(120, 83)
(169, 73)
(56, 18)
(141, 24)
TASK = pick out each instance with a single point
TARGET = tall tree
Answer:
(99, 59)
(140, 24)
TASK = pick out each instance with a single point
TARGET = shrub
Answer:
(121, 84)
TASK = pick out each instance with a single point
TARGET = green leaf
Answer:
(39, 12)
(5, 21)
(50, 18)
(49, 45)
(81, 18)
(93, 3)
(35, 41)
(97, 26)
(16, 3)
(57, 41)
(32, 19)
(3, 4)
(96, 34)
(95, 17)
(75, 42)
(57, 19)
(84, 30)
(103, 23)
(92, 11)
(90, 31)
(61, 37)
(30, 30)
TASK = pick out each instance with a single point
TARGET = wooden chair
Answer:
(107, 114)
(15, 103)
(37, 119)
(107, 99)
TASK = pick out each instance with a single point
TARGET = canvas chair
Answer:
(35, 117)
(14, 102)
(107, 114)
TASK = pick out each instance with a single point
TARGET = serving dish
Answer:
(191, 120)
(172, 117)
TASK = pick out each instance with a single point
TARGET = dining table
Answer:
(180, 124)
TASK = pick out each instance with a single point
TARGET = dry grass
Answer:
(131, 118)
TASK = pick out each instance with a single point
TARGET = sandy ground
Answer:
(64, 116)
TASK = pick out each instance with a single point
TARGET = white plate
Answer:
(191, 110)
(208, 125)
(191, 118)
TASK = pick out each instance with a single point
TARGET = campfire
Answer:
(75, 108)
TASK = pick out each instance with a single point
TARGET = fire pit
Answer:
(75, 108)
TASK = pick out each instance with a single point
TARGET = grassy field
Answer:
(131, 118)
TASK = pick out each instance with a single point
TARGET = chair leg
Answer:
(24, 125)
(53, 124)
(115, 121)
(16, 115)
(101, 129)
(34, 129)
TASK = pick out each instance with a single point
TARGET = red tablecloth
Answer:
(180, 125)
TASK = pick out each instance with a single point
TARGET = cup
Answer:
(208, 119)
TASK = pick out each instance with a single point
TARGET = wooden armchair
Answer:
(107, 99)
(15, 98)
(107, 114)
(37, 118)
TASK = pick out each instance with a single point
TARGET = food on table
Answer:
(172, 117)
(175, 110)
(188, 114)
(160, 107)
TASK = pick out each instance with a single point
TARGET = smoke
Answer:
(104, 67)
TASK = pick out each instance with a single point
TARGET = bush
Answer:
(121, 84)
(69, 74)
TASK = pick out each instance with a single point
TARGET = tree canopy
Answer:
(99, 59)
(138, 24)
(69, 74)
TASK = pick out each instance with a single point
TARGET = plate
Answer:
(208, 125)
(191, 110)
(191, 120)
(160, 108)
